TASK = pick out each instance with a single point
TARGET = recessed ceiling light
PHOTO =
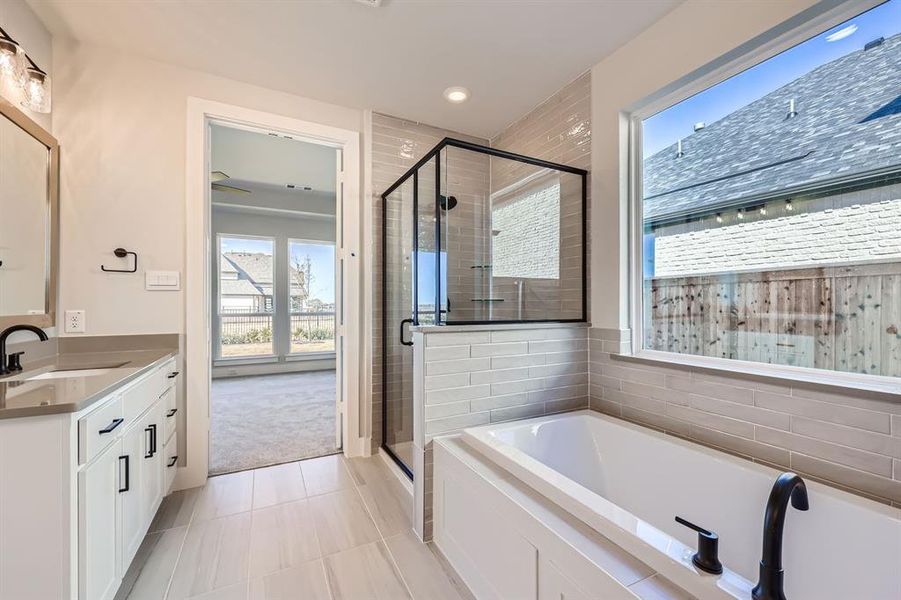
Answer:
(456, 94)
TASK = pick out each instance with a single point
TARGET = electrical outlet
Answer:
(75, 321)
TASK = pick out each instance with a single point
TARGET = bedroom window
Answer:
(770, 208)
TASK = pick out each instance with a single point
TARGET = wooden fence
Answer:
(839, 318)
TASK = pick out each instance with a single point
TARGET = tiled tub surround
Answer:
(850, 439)
(473, 375)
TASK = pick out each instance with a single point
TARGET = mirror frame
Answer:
(48, 319)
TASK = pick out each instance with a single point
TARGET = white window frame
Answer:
(218, 359)
(294, 356)
(808, 24)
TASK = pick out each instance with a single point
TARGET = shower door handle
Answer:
(402, 341)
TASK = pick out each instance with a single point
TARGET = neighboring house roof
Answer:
(848, 123)
(255, 269)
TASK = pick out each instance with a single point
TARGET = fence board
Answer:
(844, 318)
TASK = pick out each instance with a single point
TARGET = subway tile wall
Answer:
(559, 130)
(481, 376)
(851, 440)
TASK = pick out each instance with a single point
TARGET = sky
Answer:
(321, 255)
(677, 122)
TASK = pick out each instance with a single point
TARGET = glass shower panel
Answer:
(513, 238)
(397, 304)
(430, 276)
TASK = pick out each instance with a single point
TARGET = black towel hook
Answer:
(122, 253)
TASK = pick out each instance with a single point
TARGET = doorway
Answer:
(273, 233)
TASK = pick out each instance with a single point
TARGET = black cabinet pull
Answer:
(113, 424)
(151, 429)
(127, 473)
(172, 375)
(173, 461)
(172, 412)
(148, 443)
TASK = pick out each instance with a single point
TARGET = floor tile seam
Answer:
(383, 540)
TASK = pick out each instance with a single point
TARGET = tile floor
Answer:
(324, 528)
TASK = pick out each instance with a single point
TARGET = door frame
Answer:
(349, 334)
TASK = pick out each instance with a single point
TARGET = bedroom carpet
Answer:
(271, 419)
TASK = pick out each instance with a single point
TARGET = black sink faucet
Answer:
(13, 364)
(788, 486)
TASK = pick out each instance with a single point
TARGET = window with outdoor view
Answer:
(771, 208)
(312, 273)
(246, 272)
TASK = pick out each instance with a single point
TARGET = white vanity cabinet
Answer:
(83, 491)
(141, 482)
(100, 541)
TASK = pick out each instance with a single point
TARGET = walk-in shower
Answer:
(474, 235)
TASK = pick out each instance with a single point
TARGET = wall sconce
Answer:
(16, 66)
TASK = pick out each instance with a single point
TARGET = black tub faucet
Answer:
(788, 486)
(13, 364)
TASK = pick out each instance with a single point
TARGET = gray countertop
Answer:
(21, 398)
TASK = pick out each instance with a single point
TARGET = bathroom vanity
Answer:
(87, 451)
(88, 442)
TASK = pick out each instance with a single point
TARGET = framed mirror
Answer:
(29, 220)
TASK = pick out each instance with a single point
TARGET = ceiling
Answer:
(273, 200)
(274, 160)
(397, 59)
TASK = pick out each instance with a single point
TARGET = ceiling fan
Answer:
(217, 176)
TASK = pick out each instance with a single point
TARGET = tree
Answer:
(304, 269)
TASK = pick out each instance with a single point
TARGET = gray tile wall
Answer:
(475, 377)
(559, 130)
(851, 440)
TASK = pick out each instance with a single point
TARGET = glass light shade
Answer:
(36, 95)
(12, 61)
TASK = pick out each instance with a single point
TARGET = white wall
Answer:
(691, 36)
(22, 25)
(121, 122)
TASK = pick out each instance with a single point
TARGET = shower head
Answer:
(447, 202)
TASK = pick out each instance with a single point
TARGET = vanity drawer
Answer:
(171, 418)
(170, 463)
(100, 428)
(140, 396)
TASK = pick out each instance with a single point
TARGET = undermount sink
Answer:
(71, 373)
(91, 371)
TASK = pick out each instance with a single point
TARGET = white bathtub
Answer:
(628, 483)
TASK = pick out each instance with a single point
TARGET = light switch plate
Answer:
(75, 321)
(161, 281)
